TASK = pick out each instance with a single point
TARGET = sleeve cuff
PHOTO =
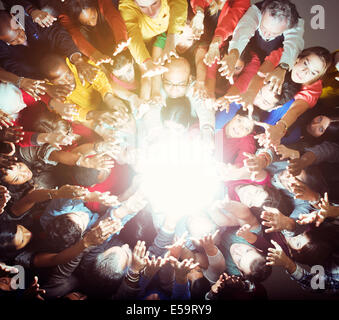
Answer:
(298, 273)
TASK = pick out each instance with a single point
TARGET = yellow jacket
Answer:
(89, 96)
(330, 84)
(141, 28)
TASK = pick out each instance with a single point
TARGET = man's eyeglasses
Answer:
(179, 85)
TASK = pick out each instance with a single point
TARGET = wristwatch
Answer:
(284, 66)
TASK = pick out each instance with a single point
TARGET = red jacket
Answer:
(231, 13)
(113, 18)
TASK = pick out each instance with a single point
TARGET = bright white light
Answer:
(178, 175)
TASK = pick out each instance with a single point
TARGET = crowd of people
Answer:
(87, 85)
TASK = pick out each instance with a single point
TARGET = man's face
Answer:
(62, 76)
(270, 27)
(150, 8)
(265, 99)
(15, 35)
(175, 83)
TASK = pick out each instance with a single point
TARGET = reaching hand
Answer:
(153, 265)
(244, 232)
(174, 250)
(59, 92)
(169, 51)
(286, 153)
(5, 120)
(67, 111)
(98, 58)
(182, 268)
(276, 256)
(12, 134)
(254, 164)
(57, 139)
(213, 54)
(296, 166)
(104, 198)
(228, 63)
(225, 101)
(121, 46)
(86, 71)
(139, 257)
(34, 291)
(111, 148)
(274, 220)
(71, 192)
(302, 191)
(199, 90)
(6, 162)
(33, 87)
(98, 161)
(136, 202)
(101, 232)
(5, 196)
(207, 242)
(275, 79)
(43, 18)
(313, 217)
(197, 25)
(151, 69)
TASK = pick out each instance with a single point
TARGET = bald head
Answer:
(176, 79)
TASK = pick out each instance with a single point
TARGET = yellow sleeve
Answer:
(178, 15)
(137, 45)
(101, 83)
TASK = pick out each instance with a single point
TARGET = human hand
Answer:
(174, 250)
(151, 69)
(286, 153)
(169, 51)
(275, 79)
(254, 164)
(98, 58)
(59, 92)
(302, 191)
(139, 257)
(104, 198)
(111, 148)
(6, 161)
(98, 161)
(224, 102)
(34, 291)
(213, 54)
(277, 257)
(244, 232)
(67, 111)
(5, 196)
(157, 99)
(295, 166)
(273, 133)
(56, 139)
(136, 202)
(5, 120)
(42, 18)
(101, 232)
(274, 220)
(313, 217)
(207, 242)
(33, 87)
(12, 134)
(228, 63)
(153, 265)
(197, 24)
(121, 46)
(71, 192)
(182, 268)
(86, 71)
(199, 90)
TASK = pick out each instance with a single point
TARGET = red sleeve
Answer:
(84, 46)
(246, 144)
(230, 16)
(27, 140)
(247, 74)
(86, 133)
(200, 3)
(114, 19)
(310, 93)
(29, 100)
(275, 56)
(212, 71)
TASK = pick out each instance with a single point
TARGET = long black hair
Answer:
(73, 8)
(7, 234)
